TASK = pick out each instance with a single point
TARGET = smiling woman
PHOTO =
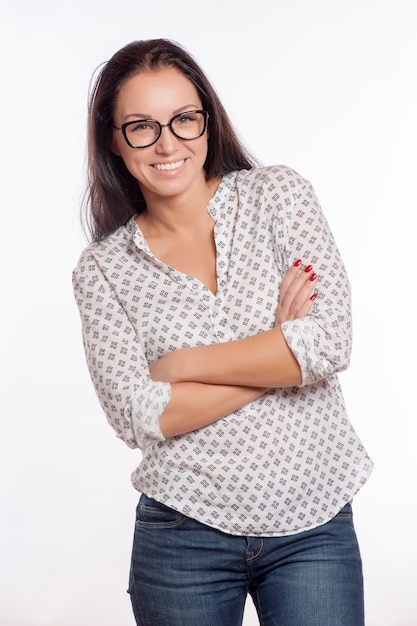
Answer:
(165, 164)
(215, 348)
(113, 195)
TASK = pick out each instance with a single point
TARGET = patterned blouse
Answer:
(284, 463)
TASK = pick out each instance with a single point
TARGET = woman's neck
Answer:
(167, 215)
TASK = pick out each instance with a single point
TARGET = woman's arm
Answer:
(194, 405)
(263, 360)
(130, 399)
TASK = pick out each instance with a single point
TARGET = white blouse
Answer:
(284, 463)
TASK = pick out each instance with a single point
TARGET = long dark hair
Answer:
(113, 195)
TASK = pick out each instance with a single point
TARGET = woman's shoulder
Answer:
(272, 177)
(280, 174)
(110, 246)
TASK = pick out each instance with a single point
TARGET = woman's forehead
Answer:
(165, 88)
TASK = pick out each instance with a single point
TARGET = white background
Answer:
(325, 86)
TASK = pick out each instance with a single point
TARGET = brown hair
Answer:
(113, 195)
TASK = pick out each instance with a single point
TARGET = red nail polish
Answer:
(297, 263)
(313, 297)
(313, 277)
(308, 268)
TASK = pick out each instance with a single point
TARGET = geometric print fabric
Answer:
(286, 462)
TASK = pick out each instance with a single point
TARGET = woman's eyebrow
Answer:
(186, 107)
(146, 116)
(143, 116)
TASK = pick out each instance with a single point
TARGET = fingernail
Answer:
(313, 277)
(308, 268)
(297, 263)
(313, 297)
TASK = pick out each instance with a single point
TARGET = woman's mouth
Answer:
(163, 167)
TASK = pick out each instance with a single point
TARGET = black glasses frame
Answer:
(123, 128)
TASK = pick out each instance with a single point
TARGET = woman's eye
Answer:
(140, 126)
(185, 119)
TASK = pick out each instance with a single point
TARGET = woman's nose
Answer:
(167, 141)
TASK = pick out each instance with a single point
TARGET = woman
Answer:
(214, 347)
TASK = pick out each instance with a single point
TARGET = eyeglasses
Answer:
(143, 133)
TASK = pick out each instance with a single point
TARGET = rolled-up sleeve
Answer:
(131, 400)
(322, 340)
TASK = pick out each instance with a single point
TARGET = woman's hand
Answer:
(296, 293)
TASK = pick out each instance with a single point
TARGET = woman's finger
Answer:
(296, 292)
(289, 277)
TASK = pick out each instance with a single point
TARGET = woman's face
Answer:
(171, 166)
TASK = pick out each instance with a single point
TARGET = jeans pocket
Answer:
(345, 513)
(153, 514)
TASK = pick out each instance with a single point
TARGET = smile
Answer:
(169, 166)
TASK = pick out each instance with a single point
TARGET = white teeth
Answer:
(168, 166)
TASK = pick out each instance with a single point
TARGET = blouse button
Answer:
(215, 309)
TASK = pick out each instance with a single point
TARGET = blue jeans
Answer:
(184, 573)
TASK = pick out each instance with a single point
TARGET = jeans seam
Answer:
(255, 556)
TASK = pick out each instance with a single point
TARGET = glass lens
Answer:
(141, 133)
(189, 125)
